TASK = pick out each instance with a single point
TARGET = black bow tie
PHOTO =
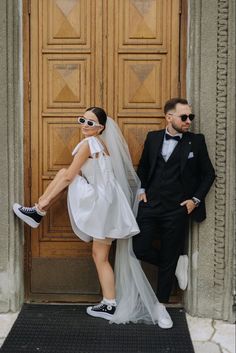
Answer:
(169, 137)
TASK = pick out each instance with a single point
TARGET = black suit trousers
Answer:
(170, 228)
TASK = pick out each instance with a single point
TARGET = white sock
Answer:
(109, 301)
(41, 213)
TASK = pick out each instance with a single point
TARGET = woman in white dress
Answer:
(102, 188)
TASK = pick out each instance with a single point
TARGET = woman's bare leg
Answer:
(44, 201)
(104, 269)
(52, 201)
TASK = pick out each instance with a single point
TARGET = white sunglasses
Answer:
(90, 123)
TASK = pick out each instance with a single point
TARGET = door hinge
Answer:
(29, 7)
(29, 91)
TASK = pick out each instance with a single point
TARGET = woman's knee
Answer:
(99, 257)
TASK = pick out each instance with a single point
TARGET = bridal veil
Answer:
(136, 299)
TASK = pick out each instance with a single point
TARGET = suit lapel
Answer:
(156, 148)
(186, 146)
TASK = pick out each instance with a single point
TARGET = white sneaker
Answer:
(181, 271)
(163, 317)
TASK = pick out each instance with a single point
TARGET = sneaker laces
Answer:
(28, 209)
(99, 305)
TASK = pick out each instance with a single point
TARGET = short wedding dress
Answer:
(97, 205)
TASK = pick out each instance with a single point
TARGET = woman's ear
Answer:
(101, 130)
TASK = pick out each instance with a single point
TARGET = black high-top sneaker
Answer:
(29, 215)
(103, 310)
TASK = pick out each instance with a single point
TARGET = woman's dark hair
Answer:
(100, 114)
(171, 104)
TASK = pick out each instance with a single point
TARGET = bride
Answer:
(102, 204)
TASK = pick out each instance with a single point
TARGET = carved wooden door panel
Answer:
(65, 64)
(142, 65)
(142, 72)
(122, 55)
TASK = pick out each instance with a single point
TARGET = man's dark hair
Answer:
(171, 104)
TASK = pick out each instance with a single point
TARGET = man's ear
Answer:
(168, 117)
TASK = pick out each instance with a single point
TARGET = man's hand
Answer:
(142, 197)
(189, 204)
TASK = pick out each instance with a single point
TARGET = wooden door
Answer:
(122, 55)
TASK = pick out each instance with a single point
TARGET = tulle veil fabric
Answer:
(136, 300)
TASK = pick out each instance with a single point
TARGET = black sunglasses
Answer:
(184, 117)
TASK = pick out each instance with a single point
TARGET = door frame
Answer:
(26, 4)
(27, 139)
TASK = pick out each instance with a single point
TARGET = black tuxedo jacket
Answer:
(197, 172)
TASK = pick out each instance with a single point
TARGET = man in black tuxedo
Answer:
(176, 174)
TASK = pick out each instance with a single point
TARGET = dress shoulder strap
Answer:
(95, 146)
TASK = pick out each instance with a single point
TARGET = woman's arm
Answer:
(65, 176)
(79, 159)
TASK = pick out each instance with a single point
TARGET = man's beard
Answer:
(178, 129)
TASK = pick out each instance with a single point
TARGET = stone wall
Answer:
(11, 156)
(211, 90)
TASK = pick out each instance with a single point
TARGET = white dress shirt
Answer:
(168, 146)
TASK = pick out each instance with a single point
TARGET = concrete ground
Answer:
(208, 336)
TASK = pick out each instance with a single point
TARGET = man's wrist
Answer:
(196, 201)
(141, 191)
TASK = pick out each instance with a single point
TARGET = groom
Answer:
(176, 174)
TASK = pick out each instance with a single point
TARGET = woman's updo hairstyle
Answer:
(100, 114)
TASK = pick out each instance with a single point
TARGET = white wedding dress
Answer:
(97, 205)
(100, 204)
